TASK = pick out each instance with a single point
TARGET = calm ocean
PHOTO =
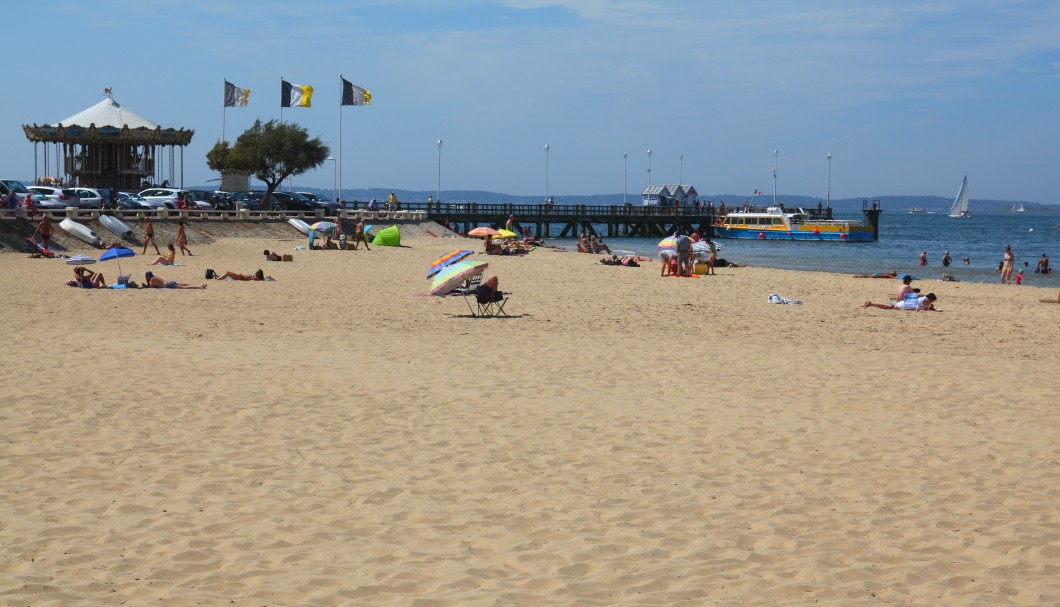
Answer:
(903, 235)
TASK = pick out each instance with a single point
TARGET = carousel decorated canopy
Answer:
(107, 145)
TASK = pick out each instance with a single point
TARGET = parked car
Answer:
(91, 198)
(162, 197)
(13, 185)
(223, 200)
(202, 199)
(55, 198)
(283, 201)
(243, 200)
(132, 201)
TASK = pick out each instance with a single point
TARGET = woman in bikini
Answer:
(167, 259)
(182, 238)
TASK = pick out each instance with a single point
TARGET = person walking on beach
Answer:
(359, 237)
(1007, 261)
(923, 258)
(149, 235)
(182, 238)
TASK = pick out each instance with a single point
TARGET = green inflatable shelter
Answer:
(388, 237)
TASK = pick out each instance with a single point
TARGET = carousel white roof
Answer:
(108, 113)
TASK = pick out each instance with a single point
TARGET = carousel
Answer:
(107, 146)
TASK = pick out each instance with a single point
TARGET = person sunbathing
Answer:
(891, 274)
(87, 279)
(156, 282)
(271, 256)
(259, 275)
(167, 259)
(923, 303)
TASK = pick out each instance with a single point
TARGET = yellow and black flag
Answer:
(354, 95)
(295, 95)
(235, 96)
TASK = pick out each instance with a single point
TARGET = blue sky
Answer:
(908, 97)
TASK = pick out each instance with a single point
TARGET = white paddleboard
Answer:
(299, 225)
(117, 226)
(81, 232)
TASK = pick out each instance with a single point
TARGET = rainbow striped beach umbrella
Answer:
(668, 243)
(447, 259)
(452, 275)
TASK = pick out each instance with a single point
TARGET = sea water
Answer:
(903, 236)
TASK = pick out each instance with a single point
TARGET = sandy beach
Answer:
(338, 437)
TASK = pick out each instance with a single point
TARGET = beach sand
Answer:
(337, 437)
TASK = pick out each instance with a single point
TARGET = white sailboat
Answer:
(959, 209)
(1017, 208)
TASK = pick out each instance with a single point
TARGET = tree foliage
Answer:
(272, 152)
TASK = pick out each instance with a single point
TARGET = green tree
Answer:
(272, 152)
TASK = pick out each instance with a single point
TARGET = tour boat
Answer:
(776, 223)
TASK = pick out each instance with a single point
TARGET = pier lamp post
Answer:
(625, 174)
(547, 148)
(829, 194)
(649, 168)
(335, 177)
(438, 189)
(681, 174)
(774, 167)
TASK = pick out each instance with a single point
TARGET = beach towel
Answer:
(777, 299)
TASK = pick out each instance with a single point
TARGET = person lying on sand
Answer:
(259, 275)
(87, 279)
(271, 256)
(924, 303)
(891, 274)
(157, 282)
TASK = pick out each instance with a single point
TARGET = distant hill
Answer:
(888, 203)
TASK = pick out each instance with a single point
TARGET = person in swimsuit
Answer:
(923, 258)
(1007, 261)
(271, 256)
(891, 274)
(182, 238)
(259, 275)
(1041, 268)
(924, 303)
(359, 237)
(44, 228)
(87, 279)
(157, 282)
(167, 259)
(149, 235)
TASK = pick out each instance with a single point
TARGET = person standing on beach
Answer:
(713, 256)
(44, 228)
(182, 238)
(923, 258)
(359, 237)
(149, 235)
(1007, 261)
(510, 226)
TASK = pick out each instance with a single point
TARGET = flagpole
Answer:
(224, 114)
(340, 136)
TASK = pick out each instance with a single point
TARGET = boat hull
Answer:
(804, 233)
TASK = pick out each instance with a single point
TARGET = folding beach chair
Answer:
(490, 303)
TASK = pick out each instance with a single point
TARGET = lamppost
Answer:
(681, 175)
(335, 177)
(438, 190)
(829, 180)
(774, 167)
(546, 171)
(625, 174)
(649, 168)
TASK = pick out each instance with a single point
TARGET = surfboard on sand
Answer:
(81, 232)
(299, 225)
(119, 227)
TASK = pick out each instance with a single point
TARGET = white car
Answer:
(91, 198)
(162, 197)
(55, 198)
(13, 185)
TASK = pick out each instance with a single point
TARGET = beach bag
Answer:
(210, 274)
